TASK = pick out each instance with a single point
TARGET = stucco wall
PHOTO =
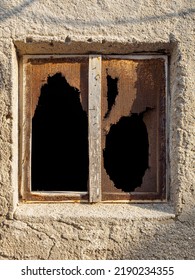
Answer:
(72, 231)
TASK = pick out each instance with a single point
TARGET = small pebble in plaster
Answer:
(29, 40)
(68, 40)
(90, 40)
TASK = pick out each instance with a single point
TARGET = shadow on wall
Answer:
(179, 237)
(131, 21)
(6, 12)
(111, 238)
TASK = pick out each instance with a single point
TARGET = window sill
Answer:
(60, 212)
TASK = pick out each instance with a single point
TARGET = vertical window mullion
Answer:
(94, 115)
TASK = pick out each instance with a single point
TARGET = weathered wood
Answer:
(94, 128)
(141, 85)
(74, 70)
(35, 71)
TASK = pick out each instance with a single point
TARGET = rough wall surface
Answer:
(89, 231)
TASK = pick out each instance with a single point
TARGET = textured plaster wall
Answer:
(72, 231)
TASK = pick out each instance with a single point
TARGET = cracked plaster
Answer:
(74, 231)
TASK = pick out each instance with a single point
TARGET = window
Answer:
(93, 128)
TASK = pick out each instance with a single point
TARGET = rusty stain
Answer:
(44, 197)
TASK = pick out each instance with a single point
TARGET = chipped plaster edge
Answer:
(60, 212)
(14, 102)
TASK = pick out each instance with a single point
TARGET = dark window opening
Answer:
(112, 93)
(59, 156)
(126, 152)
(92, 128)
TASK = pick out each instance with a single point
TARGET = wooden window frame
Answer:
(94, 193)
